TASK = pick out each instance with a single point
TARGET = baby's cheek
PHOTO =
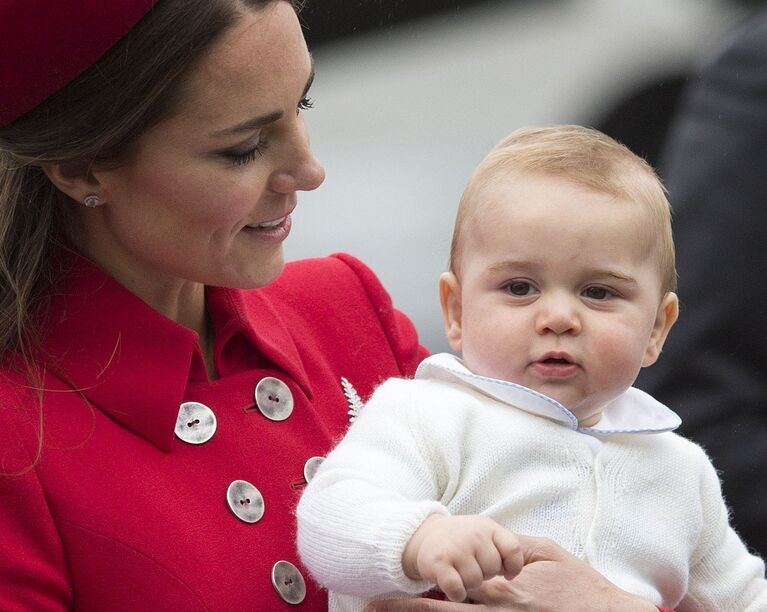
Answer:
(622, 353)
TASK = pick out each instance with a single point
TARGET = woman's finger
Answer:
(419, 605)
(536, 549)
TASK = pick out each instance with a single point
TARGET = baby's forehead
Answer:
(555, 211)
(540, 194)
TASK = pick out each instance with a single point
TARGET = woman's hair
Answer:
(585, 157)
(93, 120)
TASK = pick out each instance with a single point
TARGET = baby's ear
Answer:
(450, 299)
(667, 314)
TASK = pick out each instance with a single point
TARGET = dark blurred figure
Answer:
(642, 119)
(713, 371)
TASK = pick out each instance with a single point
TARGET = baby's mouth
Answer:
(556, 360)
(555, 365)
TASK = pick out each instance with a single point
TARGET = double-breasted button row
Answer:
(196, 422)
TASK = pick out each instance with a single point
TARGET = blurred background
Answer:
(411, 94)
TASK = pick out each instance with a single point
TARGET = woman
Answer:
(167, 388)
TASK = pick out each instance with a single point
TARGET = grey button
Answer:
(274, 399)
(245, 501)
(311, 466)
(196, 423)
(288, 582)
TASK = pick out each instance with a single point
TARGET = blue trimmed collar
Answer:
(633, 411)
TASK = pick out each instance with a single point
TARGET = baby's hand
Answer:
(460, 552)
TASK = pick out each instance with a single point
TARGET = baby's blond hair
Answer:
(585, 157)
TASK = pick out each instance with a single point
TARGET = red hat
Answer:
(45, 44)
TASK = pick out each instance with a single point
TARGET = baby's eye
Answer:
(597, 293)
(520, 288)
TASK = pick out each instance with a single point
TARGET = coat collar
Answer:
(634, 411)
(134, 364)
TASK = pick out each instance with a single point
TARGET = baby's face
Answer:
(559, 291)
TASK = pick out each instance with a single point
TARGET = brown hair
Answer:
(93, 120)
(586, 157)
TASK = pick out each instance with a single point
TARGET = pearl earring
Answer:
(91, 201)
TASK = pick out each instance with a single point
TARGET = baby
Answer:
(561, 288)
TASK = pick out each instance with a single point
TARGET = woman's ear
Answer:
(74, 179)
(667, 314)
(450, 299)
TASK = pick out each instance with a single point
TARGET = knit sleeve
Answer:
(723, 575)
(369, 496)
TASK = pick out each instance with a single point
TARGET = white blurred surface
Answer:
(402, 116)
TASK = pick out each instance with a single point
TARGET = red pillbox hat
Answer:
(45, 44)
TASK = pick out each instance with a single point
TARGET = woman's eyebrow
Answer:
(248, 125)
(258, 122)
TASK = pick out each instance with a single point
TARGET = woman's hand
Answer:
(458, 553)
(552, 580)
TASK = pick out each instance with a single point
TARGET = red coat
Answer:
(119, 513)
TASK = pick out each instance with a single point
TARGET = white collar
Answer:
(633, 411)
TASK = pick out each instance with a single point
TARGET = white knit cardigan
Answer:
(644, 509)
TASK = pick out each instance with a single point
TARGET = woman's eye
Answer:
(305, 104)
(597, 293)
(243, 158)
(520, 288)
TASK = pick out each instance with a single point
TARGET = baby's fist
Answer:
(459, 552)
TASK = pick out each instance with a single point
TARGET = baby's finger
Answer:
(489, 560)
(470, 571)
(511, 552)
(449, 580)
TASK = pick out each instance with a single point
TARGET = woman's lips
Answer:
(273, 231)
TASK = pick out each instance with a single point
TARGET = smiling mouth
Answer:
(270, 231)
(268, 224)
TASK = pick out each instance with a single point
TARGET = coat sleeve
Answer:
(723, 574)
(369, 496)
(33, 570)
(398, 328)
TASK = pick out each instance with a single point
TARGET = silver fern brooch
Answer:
(353, 398)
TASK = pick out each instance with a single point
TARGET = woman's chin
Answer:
(266, 273)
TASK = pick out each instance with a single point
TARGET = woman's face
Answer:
(206, 195)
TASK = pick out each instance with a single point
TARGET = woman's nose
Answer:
(558, 315)
(310, 173)
(301, 170)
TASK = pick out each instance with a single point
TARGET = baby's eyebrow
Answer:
(517, 264)
(615, 275)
